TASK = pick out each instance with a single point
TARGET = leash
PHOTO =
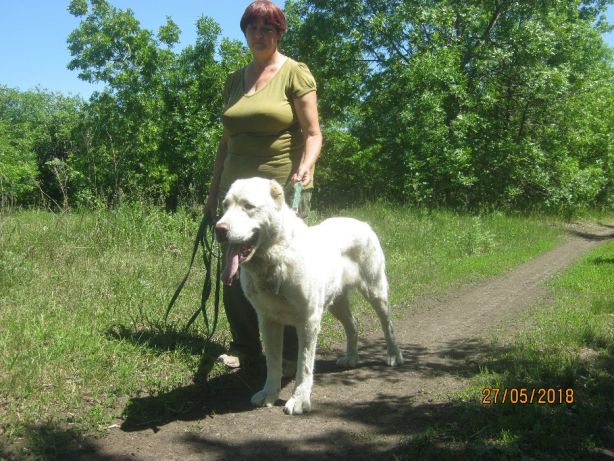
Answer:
(204, 238)
(296, 199)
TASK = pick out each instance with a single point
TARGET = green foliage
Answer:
(463, 103)
(35, 128)
(153, 132)
(17, 166)
(478, 104)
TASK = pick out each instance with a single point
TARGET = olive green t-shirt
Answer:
(264, 135)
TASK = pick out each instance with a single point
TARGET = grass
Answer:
(570, 346)
(82, 297)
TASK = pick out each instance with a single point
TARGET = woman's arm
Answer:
(218, 166)
(306, 107)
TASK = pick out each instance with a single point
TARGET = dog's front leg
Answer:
(272, 339)
(300, 402)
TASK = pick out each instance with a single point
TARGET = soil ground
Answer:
(364, 413)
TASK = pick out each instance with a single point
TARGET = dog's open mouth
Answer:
(237, 253)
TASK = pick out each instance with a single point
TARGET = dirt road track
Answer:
(358, 414)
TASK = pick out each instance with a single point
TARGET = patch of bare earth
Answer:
(363, 413)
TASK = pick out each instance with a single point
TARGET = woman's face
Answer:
(261, 37)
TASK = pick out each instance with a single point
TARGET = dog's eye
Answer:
(248, 206)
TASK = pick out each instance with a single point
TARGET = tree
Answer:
(155, 128)
(17, 167)
(462, 103)
(35, 129)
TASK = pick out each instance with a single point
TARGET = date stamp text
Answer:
(527, 396)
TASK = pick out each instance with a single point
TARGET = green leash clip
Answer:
(296, 200)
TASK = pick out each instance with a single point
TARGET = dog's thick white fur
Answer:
(291, 273)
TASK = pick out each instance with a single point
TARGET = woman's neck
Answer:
(262, 62)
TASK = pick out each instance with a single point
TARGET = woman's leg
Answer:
(244, 326)
(243, 323)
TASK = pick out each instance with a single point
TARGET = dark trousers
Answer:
(244, 326)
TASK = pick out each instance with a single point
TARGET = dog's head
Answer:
(250, 212)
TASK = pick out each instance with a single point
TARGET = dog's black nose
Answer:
(221, 232)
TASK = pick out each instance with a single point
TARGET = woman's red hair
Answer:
(268, 12)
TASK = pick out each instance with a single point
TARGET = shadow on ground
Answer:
(50, 442)
(231, 392)
(196, 401)
(592, 236)
(429, 429)
(448, 430)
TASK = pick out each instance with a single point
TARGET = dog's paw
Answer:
(297, 405)
(394, 359)
(347, 361)
(264, 399)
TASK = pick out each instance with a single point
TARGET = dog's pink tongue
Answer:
(232, 264)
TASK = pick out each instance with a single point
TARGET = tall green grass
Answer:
(82, 297)
(75, 290)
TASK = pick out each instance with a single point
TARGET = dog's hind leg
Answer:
(378, 298)
(272, 338)
(341, 310)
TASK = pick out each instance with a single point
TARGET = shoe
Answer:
(229, 361)
(235, 360)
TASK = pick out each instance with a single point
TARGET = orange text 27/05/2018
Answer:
(527, 396)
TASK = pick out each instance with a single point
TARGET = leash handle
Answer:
(206, 240)
(296, 200)
(199, 238)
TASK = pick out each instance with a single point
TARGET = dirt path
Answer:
(358, 414)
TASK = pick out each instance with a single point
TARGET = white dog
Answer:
(291, 273)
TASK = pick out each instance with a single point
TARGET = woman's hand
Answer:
(214, 189)
(302, 175)
(211, 208)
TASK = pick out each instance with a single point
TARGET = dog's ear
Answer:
(277, 192)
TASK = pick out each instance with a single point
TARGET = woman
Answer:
(271, 130)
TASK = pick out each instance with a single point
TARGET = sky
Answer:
(33, 33)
